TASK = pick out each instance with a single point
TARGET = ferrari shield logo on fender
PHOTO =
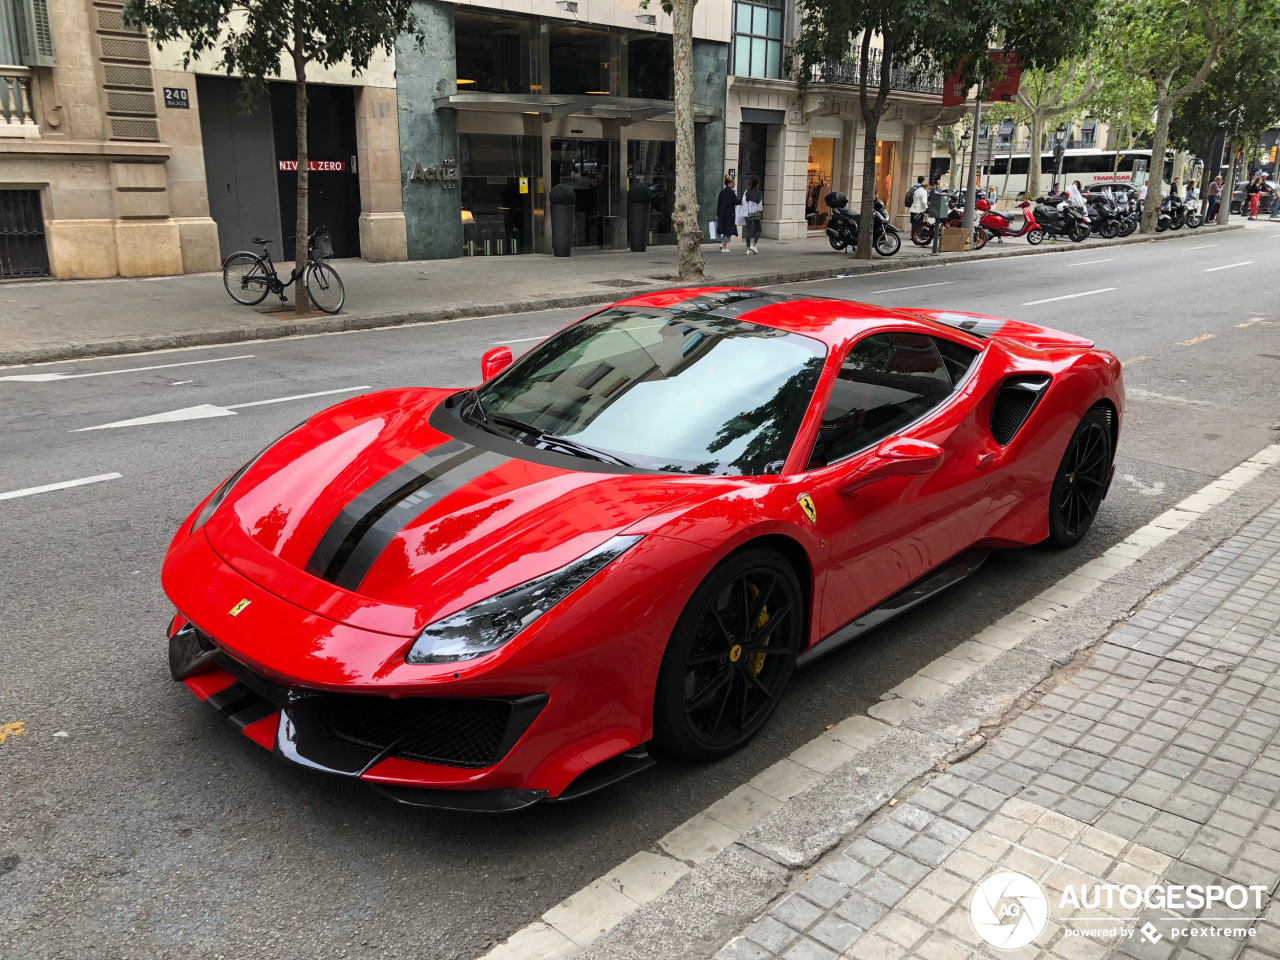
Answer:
(806, 504)
(238, 608)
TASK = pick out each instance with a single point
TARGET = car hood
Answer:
(368, 514)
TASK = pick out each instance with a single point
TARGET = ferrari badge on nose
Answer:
(238, 608)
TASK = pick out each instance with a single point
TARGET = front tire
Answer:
(1109, 230)
(887, 244)
(324, 287)
(922, 234)
(979, 239)
(1079, 233)
(730, 657)
(1081, 480)
(836, 243)
(1035, 236)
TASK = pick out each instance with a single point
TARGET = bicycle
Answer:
(249, 276)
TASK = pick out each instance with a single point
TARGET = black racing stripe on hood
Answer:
(977, 326)
(728, 303)
(402, 507)
(369, 501)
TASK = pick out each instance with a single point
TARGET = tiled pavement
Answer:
(1157, 760)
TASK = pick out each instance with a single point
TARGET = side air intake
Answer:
(1014, 403)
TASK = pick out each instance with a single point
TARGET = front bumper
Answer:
(350, 735)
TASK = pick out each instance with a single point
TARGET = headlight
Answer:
(485, 626)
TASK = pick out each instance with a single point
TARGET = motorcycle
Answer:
(922, 232)
(1104, 215)
(842, 227)
(1063, 220)
(999, 226)
(1173, 205)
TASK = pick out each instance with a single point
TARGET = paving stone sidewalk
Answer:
(1153, 759)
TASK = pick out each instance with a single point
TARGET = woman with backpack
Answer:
(753, 210)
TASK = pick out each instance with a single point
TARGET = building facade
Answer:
(804, 145)
(511, 99)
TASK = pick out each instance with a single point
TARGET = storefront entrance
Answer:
(818, 182)
(499, 180)
(590, 168)
(652, 163)
(886, 163)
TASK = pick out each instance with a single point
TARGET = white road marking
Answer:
(48, 377)
(1167, 398)
(65, 484)
(1228, 266)
(1069, 296)
(523, 340)
(918, 286)
(1154, 490)
(1203, 246)
(205, 411)
(1085, 263)
(582, 917)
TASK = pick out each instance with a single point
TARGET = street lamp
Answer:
(1060, 151)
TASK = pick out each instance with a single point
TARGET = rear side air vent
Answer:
(1014, 403)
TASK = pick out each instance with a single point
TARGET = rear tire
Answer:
(1080, 481)
(730, 657)
(240, 273)
(836, 243)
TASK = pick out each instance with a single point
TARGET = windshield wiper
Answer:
(551, 440)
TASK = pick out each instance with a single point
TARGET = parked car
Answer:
(1240, 199)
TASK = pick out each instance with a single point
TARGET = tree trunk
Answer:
(685, 216)
(1228, 184)
(301, 302)
(1033, 154)
(951, 170)
(870, 128)
(1155, 173)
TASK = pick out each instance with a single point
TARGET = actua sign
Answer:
(444, 173)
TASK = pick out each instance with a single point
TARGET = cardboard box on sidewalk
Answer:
(953, 239)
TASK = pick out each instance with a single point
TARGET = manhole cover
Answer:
(620, 283)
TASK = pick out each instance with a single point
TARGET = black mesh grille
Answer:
(454, 732)
(1013, 405)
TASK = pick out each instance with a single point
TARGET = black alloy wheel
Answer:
(922, 234)
(730, 657)
(836, 242)
(1081, 480)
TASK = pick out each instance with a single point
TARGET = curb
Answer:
(291, 328)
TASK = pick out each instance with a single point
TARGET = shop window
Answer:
(579, 60)
(498, 175)
(818, 181)
(653, 164)
(886, 160)
(649, 68)
(492, 53)
(757, 39)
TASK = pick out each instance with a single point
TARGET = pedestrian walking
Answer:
(1255, 196)
(753, 210)
(1215, 197)
(726, 215)
(918, 202)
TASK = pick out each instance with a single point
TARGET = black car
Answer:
(1240, 199)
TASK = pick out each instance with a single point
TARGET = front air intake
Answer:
(1014, 403)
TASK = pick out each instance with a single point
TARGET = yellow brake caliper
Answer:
(755, 661)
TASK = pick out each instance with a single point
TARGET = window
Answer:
(492, 53)
(579, 60)
(649, 67)
(757, 39)
(887, 381)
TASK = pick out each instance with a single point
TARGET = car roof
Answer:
(831, 321)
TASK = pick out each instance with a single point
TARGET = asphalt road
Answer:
(133, 823)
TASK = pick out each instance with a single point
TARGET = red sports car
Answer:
(630, 537)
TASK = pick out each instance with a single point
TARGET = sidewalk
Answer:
(1121, 730)
(58, 320)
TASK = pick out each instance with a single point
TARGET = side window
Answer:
(887, 381)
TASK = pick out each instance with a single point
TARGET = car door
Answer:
(886, 533)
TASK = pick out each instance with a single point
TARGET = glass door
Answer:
(590, 168)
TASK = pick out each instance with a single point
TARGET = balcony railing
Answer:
(909, 77)
(17, 109)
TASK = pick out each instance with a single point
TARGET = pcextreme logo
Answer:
(1008, 910)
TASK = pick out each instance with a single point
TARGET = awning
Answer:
(1006, 128)
(627, 109)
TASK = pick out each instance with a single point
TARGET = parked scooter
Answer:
(842, 227)
(1104, 215)
(999, 226)
(1063, 220)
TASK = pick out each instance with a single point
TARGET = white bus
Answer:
(1088, 165)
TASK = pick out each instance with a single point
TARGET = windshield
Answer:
(662, 389)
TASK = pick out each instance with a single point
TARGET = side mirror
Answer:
(494, 362)
(898, 457)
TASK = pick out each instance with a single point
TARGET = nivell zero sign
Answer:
(444, 173)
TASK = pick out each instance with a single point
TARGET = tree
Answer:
(954, 138)
(1126, 104)
(684, 216)
(926, 36)
(1056, 92)
(253, 37)
(1174, 44)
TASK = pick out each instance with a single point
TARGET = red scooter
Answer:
(998, 225)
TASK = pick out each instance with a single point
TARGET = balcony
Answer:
(17, 109)
(910, 77)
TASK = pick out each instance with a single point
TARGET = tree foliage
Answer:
(1056, 92)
